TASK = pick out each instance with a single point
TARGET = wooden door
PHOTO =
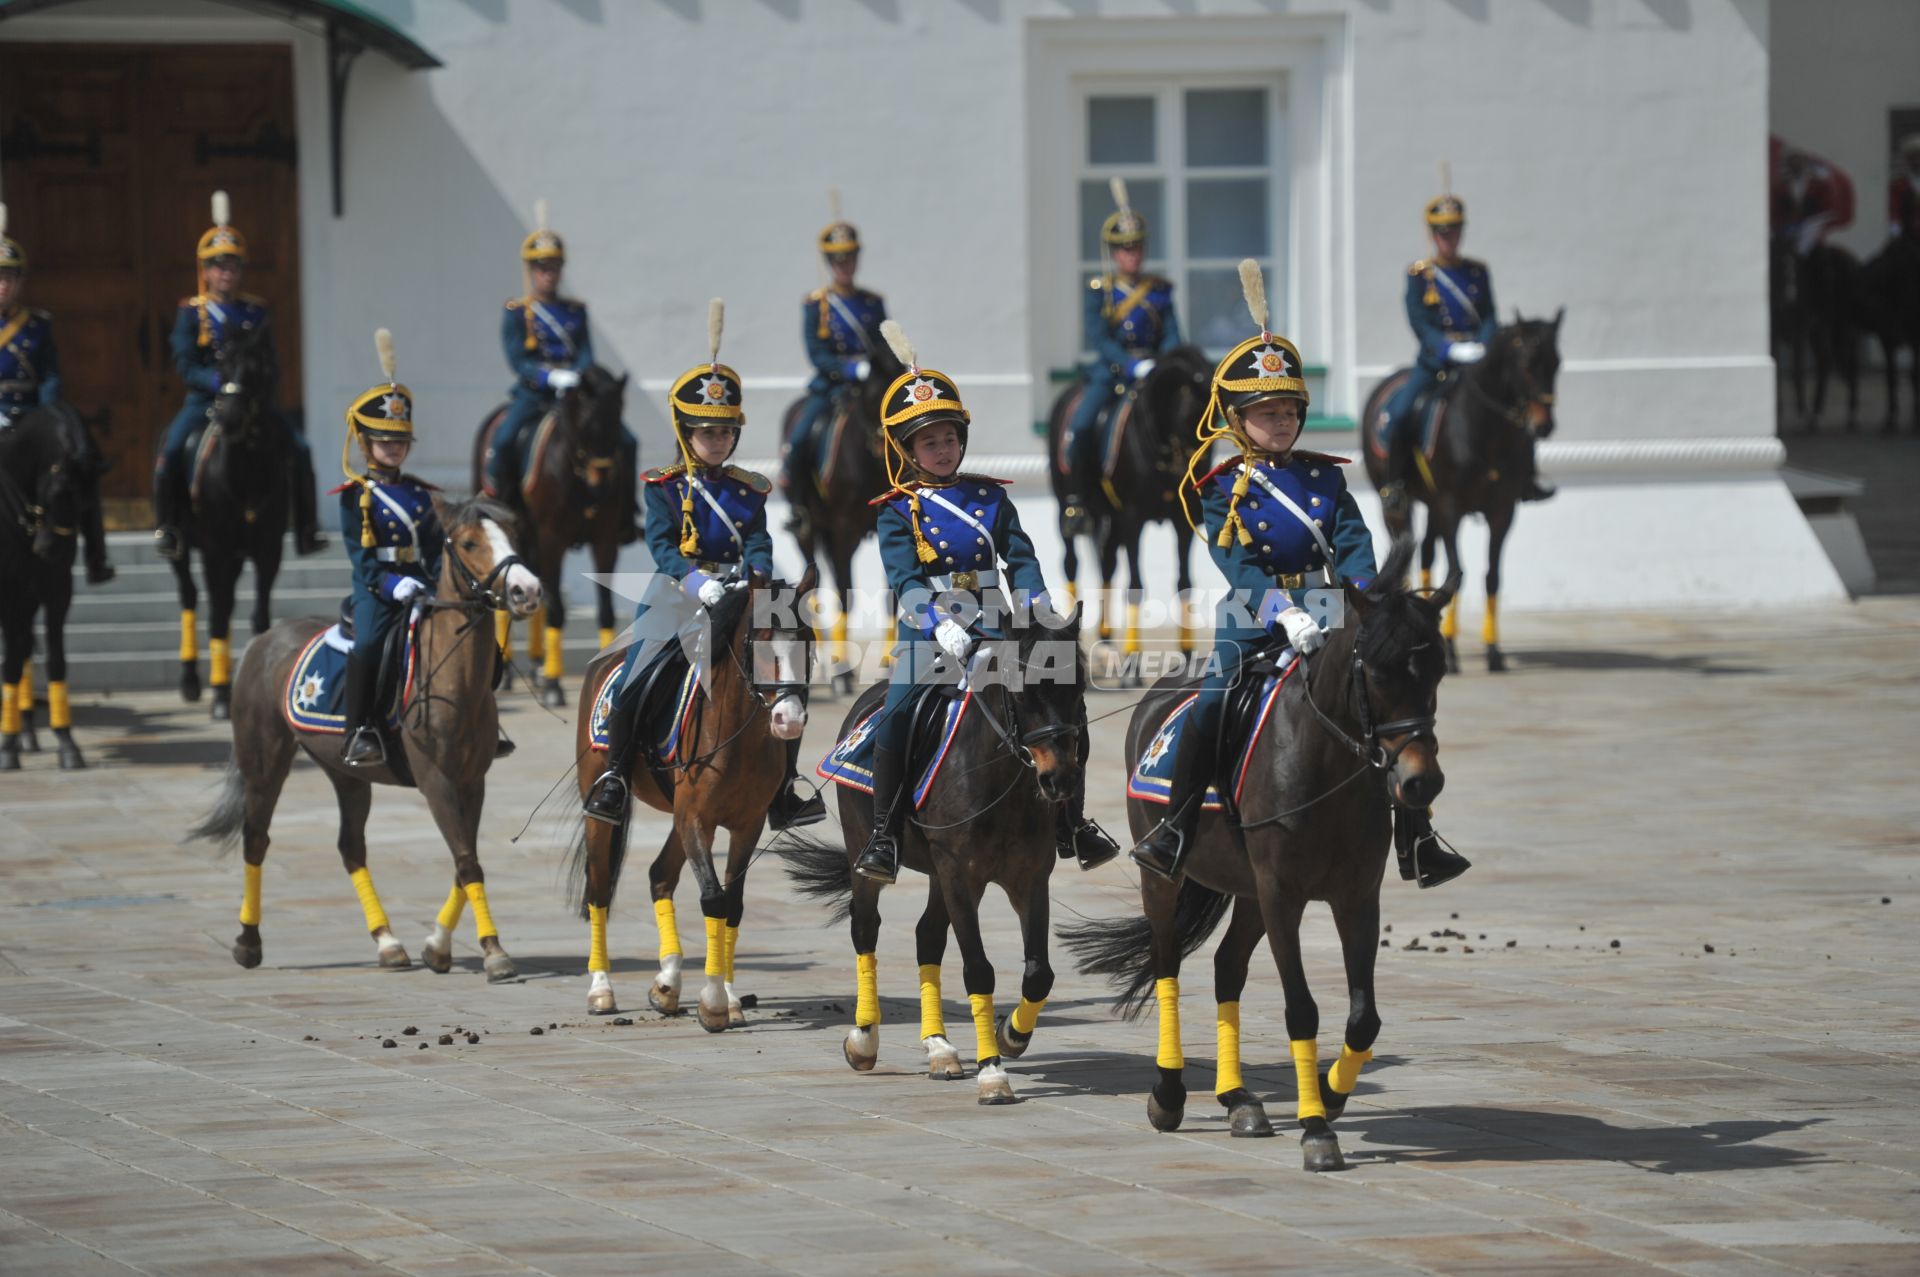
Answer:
(109, 155)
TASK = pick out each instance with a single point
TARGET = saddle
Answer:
(1427, 415)
(666, 707)
(936, 711)
(1111, 428)
(390, 685)
(1243, 721)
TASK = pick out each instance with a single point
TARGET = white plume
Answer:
(1446, 178)
(383, 346)
(1253, 286)
(716, 324)
(1118, 185)
(539, 215)
(897, 340)
(833, 203)
(222, 209)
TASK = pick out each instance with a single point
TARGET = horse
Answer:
(1479, 458)
(730, 762)
(42, 500)
(1151, 427)
(987, 818)
(835, 514)
(237, 513)
(1349, 732)
(1814, 306)
(1890, 310)
(443, 746)
(573, 492)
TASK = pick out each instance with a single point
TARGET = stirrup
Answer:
(881, 860)
(606, 802)
(364, 748)
(167, 542)
(1149, 855)
(1431, 860)
(1092, 846)
(1539, 489)
(790, 811)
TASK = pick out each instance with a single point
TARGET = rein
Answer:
(1514, 414)
(765, 696)
(478, 600)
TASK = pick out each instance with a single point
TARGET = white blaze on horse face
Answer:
(789, 718)
(521, 586)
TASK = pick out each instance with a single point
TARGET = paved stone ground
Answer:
(1544, 1101)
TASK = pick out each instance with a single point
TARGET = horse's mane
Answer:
(1401, 630)
(455, 514)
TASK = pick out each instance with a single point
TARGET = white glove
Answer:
(953, 639)
(859, 369)
(562, 378)
(1303, 632)
(711, 592)
(1141, 367)
(1466, 352)
(407, 587)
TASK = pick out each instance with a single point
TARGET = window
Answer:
(1202, 162)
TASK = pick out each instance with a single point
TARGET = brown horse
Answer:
(445, 743)
(574, 492)
(1349, 735)
(730, 762)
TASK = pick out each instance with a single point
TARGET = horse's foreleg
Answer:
(503, 635)
(1167, 1101)
(266, 570)
(57, 593)
(600, 846)
(23, 688)
(262, 775)
(223, 575)
(16, 622)
(1499, 523)
(843, 675)
(1450, 619)
(1246, 1116)
(604, 559)
(976, 969)
(1034, 906)
(696, 836)
(456, 810)
(739, 860)
(1320, 1150)
(1110, 601)
(356, 800)
(189, 597)
(930, 950)
(663, 876)
(1359, 926)
(436, 951)
(552, 641)
(862, 1044)
(1183, 587)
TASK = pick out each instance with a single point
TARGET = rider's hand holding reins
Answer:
(1466, 352)
(406, 587)
(711, 592)
(953, 639)
(1303, 632)
(562, 379)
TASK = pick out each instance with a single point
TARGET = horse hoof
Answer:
(1163, 1116)
(71, 759)
(552, 696)
(664, 998)
(736, 1015)
(247, 955)
(499, 968)
(1331, 1100)
(394, 958)
(843, 684)
(1320, 1151)
(1246, 1116)
(600, 1002)
(995, 1086)
(862, 1047)
(189, 684)
(438, 961)
(10, 755)
(1453, 657)
(1012, 1042)
(220, 711)
(1496, 663)
(713, 1014)
(943, 1061)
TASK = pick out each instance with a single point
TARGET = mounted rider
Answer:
(1279, 522)
(1449, 302)
(30, 378)
(1128, 321)
(840, 326)
(1903, 193)
(548, 346)
(393, 539)
(1810, 198)
(204, 328)
(707, 529)
(943, 536)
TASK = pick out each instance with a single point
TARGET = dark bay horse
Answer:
(730, 763)
(1351, 734)
(446, 740)
(1814, 302)
(1481, 458)
(1154, 423)
(1890, 310)
(572, 493)
(240, 470)
(988, 819)
(42, 500)
(833, 508)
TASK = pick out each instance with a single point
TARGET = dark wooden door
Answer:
(109, 155)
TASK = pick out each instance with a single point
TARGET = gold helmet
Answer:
(12, 256)
(1445, 209)
(222, 239)
(839, 237)
(543, 245)
(1124, 228)
(708, 394)
(383, 412)
(918, 397)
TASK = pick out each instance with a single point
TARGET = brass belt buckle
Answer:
(1292, 580)
(966, 580)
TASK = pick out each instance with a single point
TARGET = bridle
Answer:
(766, 693)
(1516, 414)
(1371, 745)
(1021, 747)
(477, 593)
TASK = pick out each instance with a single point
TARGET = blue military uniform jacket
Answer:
(1446, 304)
(29, 363)
(539, 337)
(973, 527)
(1283, 548)
(1123, 322)
(198, 362)
(840, 329)
(407, 542)
(729, 520)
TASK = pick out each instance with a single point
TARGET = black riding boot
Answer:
(631, 530)
(1424, 855)
(1537, 489)
(790, 809)
(1164, 848)
(881, 860)
(306, 523)
(363, 747)
(1393, 489)
(1077, 838)
(168, 542)
(606, 802)
(93, 535)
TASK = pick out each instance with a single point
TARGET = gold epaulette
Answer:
(660, 474)
(815, 297)
(1231, 461)
(1098, 283)
(515, 303)
(1419, 267)
(752, 478)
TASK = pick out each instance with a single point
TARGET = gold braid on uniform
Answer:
(1216, 424)
(903, 350)
(526, 312)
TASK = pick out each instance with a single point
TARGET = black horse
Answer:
(1480, 459)
(42, 501)
(1350, 735)
(1815, 310)
(832, 508)
(238, 509)
(1151, 432)
(1890, 310)
(988, 819)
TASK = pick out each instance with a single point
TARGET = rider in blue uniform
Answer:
(1450, 306)
(943, 536)
(393, 539)
(1278, 521)
(547, 344)
(203, 328)
(707, 529)
(840, 325)
(1127, 320)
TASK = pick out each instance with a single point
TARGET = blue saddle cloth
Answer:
(1152, 777)
(1426, 417)
(850, 761)
(670, 727)
(316, 692)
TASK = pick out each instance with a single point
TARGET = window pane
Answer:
(1119, 130)
(1213, 314)
(1226, 126)
(1227, 217)
(1096, 203)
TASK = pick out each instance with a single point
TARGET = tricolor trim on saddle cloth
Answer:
(850, 761)
(1152, 778)
(316, 691)
(676, 726)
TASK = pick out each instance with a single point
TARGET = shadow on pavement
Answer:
(1464, 1133)
(1604, 660)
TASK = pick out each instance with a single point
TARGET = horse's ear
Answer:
(1559, 315)
(1518, 318)
(1399, 557)
(1444, 595)
(808, 580)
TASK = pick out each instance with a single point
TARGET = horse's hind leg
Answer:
(1167, 1101)
(356, 800)
(456, 810)
(976, 969)
(1359, 927)
(862, 1044)
(663, 876)
(1246, 1116)
(1319, 1148)
(223, 579)
(1034, 907)
(189, 596)
(56, 592)
(739, 860)
(262, 768)
(930, 950)
(603, 843)
(1499, 523)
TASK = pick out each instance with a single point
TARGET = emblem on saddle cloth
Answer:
(850, 761)
(316, 692)
(672, 726)
(1152, 777)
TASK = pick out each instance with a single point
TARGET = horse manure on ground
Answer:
(1707, 947)
(473, 1037)
(1513, 944)
(409, 1031)
(536, 1031)
(388, 1042)
(1613, 944)
(423, 1046)
(621, 1020)
(446, 1039)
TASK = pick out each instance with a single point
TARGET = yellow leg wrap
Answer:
(250, 898)
(733, 940)
(503, 633)
(1026, 1015)
(556, 660)
(1186, 633)
(1346, 1070)
(1450, 622)
(606, 638)
(189, 635)
(219, 662)
(1167, 993)
(985, 1044)
(840, 637)
(1306, 1072)
(717, 947)
(932, 1023)
(1133, 629)
(9, 710)
(536, 640)
(1490, 625)
(866, 1007)
(26, 687)
(669, 929)
(482, 916)
(59, 707)
(597, 941)
(456, 905)
(1072, 595)
(1426, 578)
(1226, 1025)
(369, 900)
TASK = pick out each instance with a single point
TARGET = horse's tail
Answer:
(577, 866)
(820, 870)
(1122, 948)
(221, 826)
